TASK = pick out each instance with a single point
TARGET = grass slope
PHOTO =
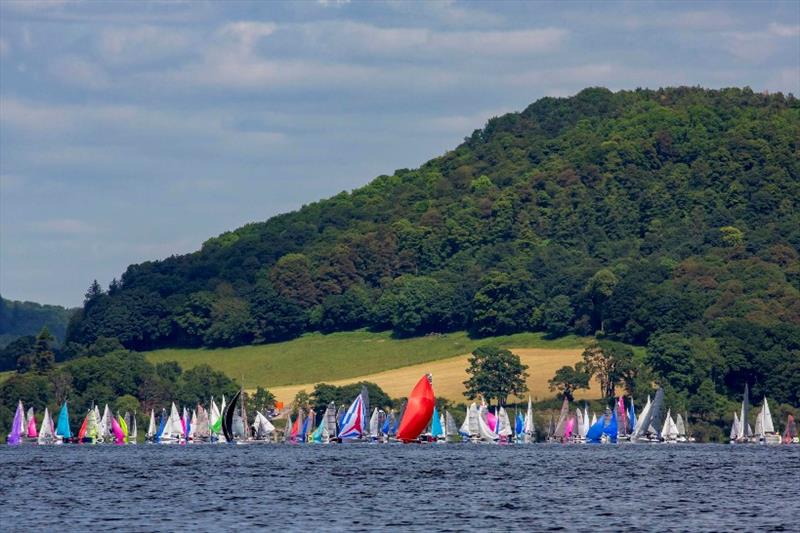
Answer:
(314, 357)
(449, 376)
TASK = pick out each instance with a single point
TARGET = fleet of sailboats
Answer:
(418, 420)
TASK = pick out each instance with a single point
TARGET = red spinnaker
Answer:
(418, 411)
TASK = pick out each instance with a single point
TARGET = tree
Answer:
(11, 353)
(42, 358)
(502, 304)
(568, 379)
(599, 288)
(262, 401)
(293, 279)
(495, 374)
(127, 404)
(198, 383)
(302, 400)
(611, 362)
(557, 315)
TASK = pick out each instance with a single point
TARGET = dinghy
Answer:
(418, 410)
(503, 426)
(47, 434)
(353, 420)
(262, 428)
(790, 433)
(227, 418)
(485, 432)
(529, 430)
(745, 433)
(765, 429)
(32, 433)
(17, 427)
(63, 431)
(734, 434)
(669, 431)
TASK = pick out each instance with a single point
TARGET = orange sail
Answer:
(82, 431)
(418, 411)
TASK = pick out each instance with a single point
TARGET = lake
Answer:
(403, 487)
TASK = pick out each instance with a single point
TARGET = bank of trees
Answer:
(632, 215)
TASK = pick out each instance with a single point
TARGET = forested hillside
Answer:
(668, 218)
(19, 319)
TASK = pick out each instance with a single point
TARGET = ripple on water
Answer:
(440, 488)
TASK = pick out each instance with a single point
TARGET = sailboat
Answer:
(745, 434)
(486, 433)
(151, 428)
(227, 418)
(419, 410)
(558, 432)
(374, 425)
(469, 430)
(681, 427)
(63, 431)
(765, 429)
(790, 434)
(215, 422)
(734, 428)
(46, 430)
(17, 426)
(503, 426)
(262, 428)
(353, 420)
(450, 427)
(649, 420)
(437, 429)
(528, 429)
(32, 433)
(669, 431)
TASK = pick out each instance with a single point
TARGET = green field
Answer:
(316, 357)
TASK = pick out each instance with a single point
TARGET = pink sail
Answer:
(32, 428)
(492, 420)
(119, 435)
(569, 427)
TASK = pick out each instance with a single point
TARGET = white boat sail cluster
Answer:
(229, 423)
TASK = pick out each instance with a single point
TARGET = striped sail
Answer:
(353, 420)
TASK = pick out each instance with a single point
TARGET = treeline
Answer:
(105, 373)
(19, 319)
(633, 215)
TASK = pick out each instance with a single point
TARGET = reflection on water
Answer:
(420, 487)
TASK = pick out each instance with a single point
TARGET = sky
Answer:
(132, 131)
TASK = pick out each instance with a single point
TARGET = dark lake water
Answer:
(412, 487)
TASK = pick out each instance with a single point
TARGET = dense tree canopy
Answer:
(634, 214)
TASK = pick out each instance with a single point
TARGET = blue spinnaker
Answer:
(611, 429)
(596, 431)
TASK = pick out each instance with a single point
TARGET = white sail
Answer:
(484, 431)
(262, 427)
(578, 429)
(767, 424)
(374, 423)
(760, 423)
(26, 418)
(46, 433)
(151, 427)
(735, 427)
(594, 419)
(213, 414)
(639, 428)
(528, 427)
(172, 428)
(464, 429)
(587, 423)
(504, 428)
(450, 429)
(104, 428)
(681, 427)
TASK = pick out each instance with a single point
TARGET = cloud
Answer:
(126, 45)
(5, 48)
(73, 70)
(64, 226)
(693, 20)
(11, 182)
(355, 38)
(784, 30)
(334, 3)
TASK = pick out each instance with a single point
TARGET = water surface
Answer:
(411, 487)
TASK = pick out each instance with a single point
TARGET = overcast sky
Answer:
(132, 131)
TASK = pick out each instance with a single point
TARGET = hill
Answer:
(18, 319)
(662, 217)
(286, 367)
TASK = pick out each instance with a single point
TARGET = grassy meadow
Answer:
(287, 367)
